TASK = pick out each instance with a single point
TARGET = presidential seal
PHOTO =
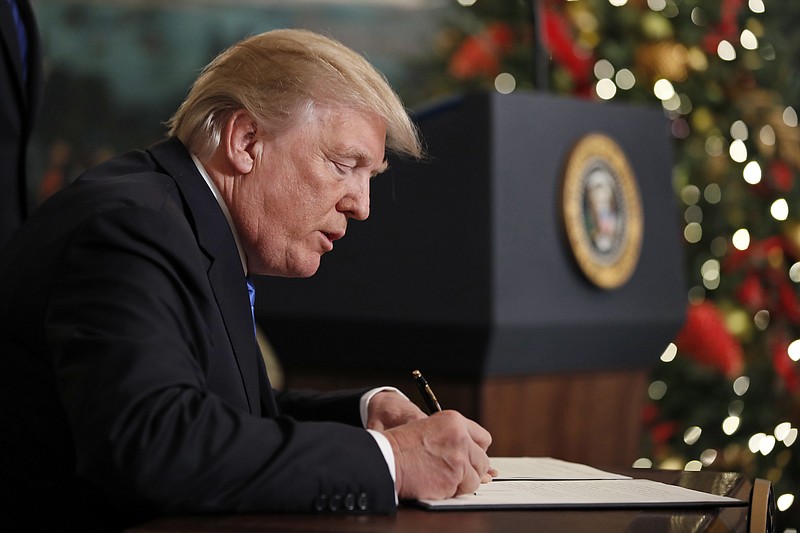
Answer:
(602, 211)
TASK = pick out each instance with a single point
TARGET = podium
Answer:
(468, 271)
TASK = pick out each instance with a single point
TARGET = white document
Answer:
(595, 493)
(546, 468)
(544, 482)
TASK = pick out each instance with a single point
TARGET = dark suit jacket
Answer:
(130, 378)
(18, 103)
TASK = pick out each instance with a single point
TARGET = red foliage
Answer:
(502, 36)
(781, 176)
(727, 28)
(565, 51)
(705, 338)
(660, 433)
(473, 59)
(784, 366)
(788, 305)
(756, 255)
(481, 55)
(751, 293)
(649, 413)
(765, 285)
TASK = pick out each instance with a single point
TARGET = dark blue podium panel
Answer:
(464, 268)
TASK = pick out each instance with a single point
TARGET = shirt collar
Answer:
(225, 211)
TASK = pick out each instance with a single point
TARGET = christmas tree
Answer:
(726, 394)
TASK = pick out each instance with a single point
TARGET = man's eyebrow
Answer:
(353, 153)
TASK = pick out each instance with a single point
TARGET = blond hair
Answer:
(279, 77)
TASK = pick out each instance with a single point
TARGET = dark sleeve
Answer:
(341, 406)
(129, 324)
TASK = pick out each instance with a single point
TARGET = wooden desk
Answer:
(412, 520)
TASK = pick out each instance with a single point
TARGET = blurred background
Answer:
(726, 74)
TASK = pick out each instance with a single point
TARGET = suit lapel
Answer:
(8, 39)
(225, 273)
(33, 93)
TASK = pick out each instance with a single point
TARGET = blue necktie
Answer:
(251, 292)
(22, 36)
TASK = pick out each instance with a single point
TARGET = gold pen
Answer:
(427, 393)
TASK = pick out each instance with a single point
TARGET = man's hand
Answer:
(440, 456)
(389, 409)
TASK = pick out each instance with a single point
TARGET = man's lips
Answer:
(332, 236)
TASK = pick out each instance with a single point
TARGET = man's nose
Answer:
(356, 203)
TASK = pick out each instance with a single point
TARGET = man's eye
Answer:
(341, 168)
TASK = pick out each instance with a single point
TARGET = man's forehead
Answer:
(355, 135)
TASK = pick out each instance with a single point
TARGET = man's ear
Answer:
(239, 138)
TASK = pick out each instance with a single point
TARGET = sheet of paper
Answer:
(546, 468)
(596, 493)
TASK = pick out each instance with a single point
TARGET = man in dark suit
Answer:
(20, 91)
(131, 380)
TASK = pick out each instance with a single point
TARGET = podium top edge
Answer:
(450, 103)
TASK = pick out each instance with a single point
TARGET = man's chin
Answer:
(306, 270)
